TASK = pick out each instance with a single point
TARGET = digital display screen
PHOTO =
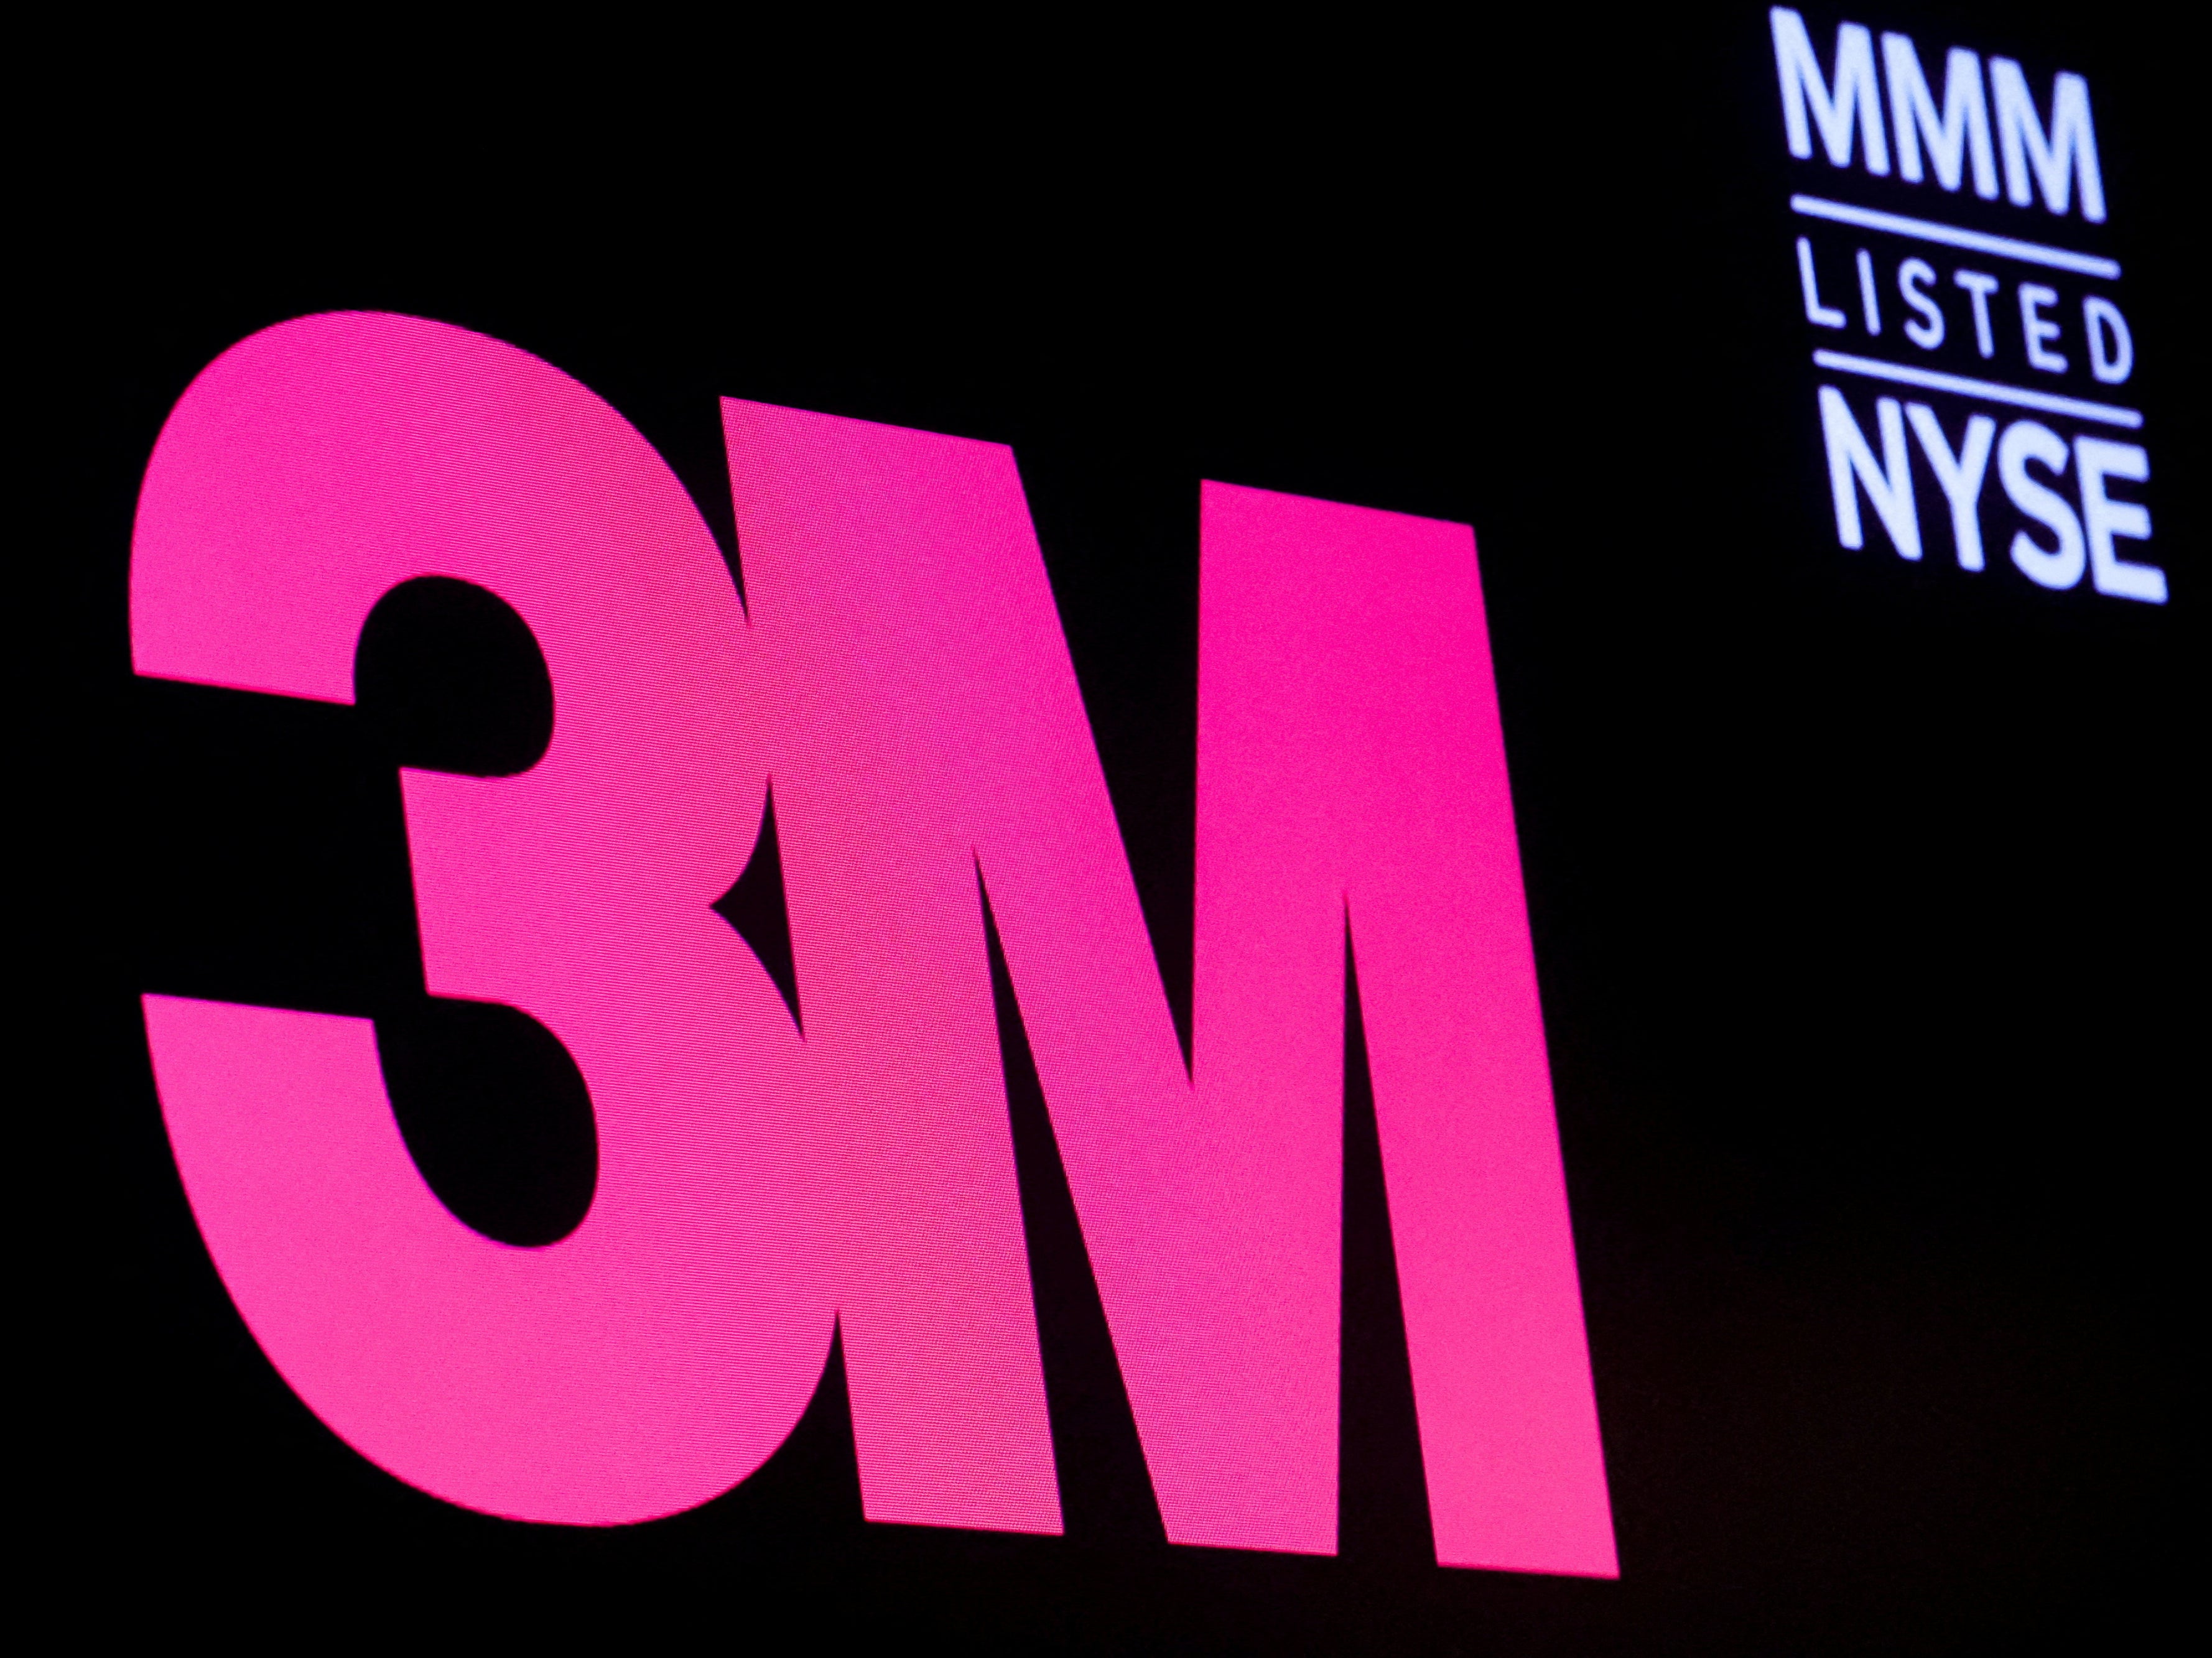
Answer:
(1404, 879)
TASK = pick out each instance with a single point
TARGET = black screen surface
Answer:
(1858, 884)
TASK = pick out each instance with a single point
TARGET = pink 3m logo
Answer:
(897, 673)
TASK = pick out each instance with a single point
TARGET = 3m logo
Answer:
(771, 1170)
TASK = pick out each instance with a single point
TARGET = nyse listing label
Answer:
(1948, 352)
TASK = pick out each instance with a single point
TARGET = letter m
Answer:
(1855, 100)
(1350, 771)
(2068, 152)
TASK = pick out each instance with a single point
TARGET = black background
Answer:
(1858, 887)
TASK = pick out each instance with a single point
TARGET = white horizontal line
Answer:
(2058, 258)
(1988, 391)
